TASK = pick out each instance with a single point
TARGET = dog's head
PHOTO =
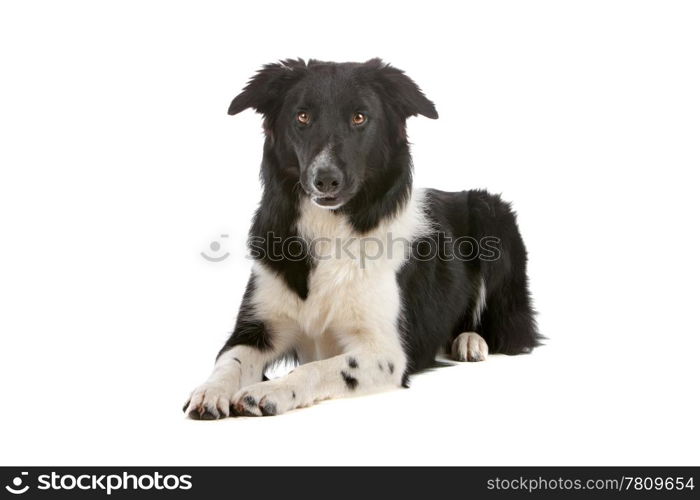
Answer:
(333, 126)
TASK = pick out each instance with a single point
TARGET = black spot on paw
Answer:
(350, 381)
(268, 408)
(391, 367)
(204, 413)
(209, 414)
(381, 366)
(294, 395)
(246, 406)
(352, 362)
(237, 360)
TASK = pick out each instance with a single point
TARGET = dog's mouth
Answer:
(327, 201)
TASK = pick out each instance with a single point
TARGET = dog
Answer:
(357, 277)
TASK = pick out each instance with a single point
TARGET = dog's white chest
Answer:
(352, 285)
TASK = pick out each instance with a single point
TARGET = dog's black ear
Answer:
(265, 90)
(401, 90)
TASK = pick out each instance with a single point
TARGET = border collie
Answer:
(357, 277)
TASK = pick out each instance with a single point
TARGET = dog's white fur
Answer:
(238, 367)
(352, 312)
(480, 304)
(469, 346)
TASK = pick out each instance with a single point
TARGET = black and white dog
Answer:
(358, 277)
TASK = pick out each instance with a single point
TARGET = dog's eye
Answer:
(303, 117)
(358, 119)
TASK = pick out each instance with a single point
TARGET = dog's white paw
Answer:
(469, 346)
(210, 401)
(272, 397)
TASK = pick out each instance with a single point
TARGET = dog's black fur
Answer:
(376, 180)
(440, 294)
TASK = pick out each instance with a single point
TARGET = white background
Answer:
(120, 165)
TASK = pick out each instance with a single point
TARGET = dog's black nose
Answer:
(328, 180)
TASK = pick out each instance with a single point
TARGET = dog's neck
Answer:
(279, 210)
(383, 197)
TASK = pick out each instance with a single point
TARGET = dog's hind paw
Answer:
(469, 346)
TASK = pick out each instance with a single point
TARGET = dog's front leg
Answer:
(359, 371)
(240, 363)
(237, 367)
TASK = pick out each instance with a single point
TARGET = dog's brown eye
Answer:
(358, 119)
(303, 117)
